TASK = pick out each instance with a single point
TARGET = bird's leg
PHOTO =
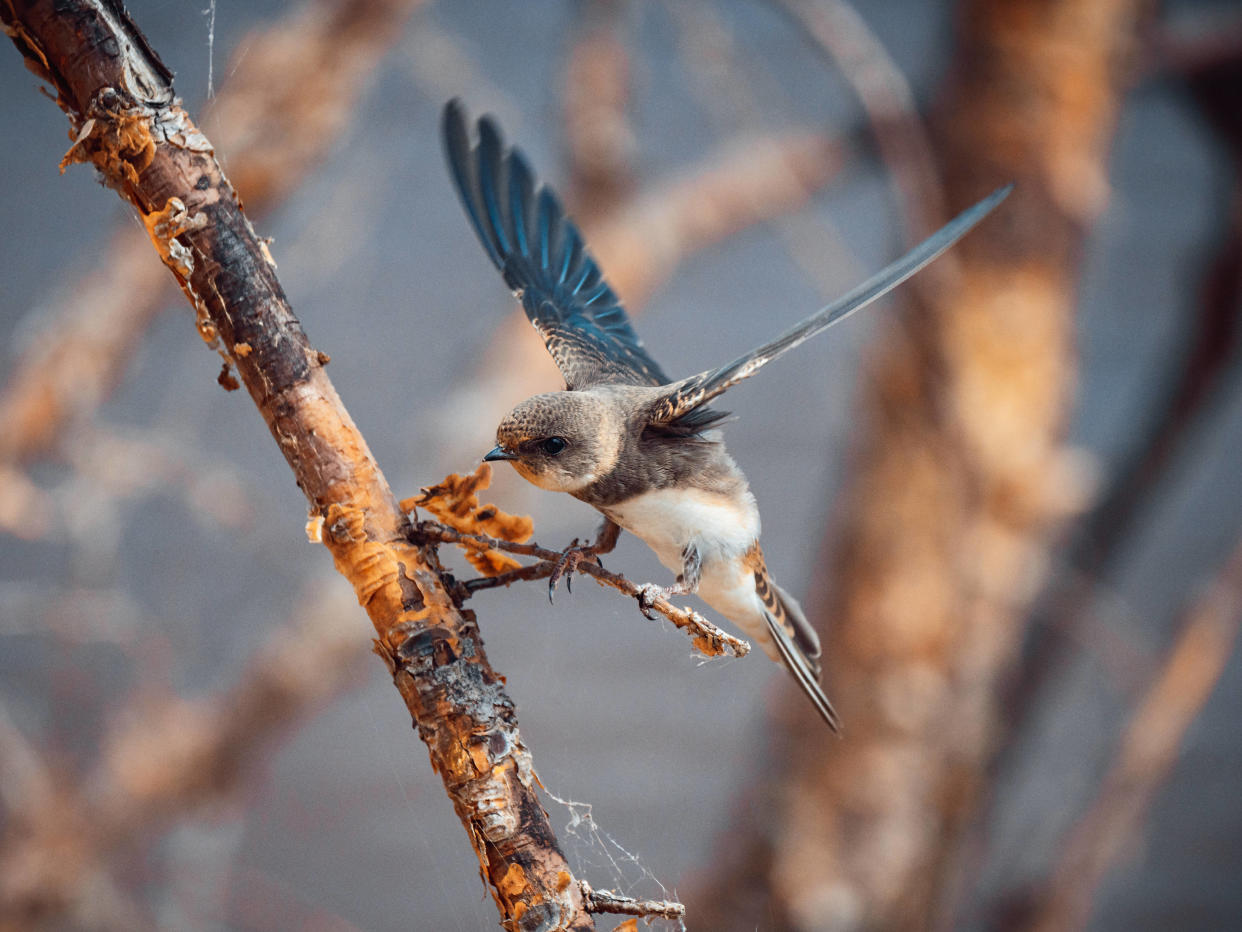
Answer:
(687, 581)
(605, 540)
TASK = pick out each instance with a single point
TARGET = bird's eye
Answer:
(553, 445)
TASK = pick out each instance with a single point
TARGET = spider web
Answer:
(595, 854)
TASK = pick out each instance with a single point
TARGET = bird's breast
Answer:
(721, 526)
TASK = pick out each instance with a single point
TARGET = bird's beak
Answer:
(499, 453)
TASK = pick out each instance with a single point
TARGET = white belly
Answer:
(722, 529)
(667, 520)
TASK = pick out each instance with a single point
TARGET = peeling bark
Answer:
(128, 123)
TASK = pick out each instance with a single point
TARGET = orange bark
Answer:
(128, 123)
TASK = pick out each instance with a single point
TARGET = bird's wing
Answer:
(688, 394)
(541, 255)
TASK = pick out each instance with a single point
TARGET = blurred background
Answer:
(1009, 497)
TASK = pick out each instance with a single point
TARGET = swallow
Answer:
(644, 450)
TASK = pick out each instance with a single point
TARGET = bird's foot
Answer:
(567, 565)
(649, 593)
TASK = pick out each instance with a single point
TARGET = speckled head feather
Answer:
(561, 441)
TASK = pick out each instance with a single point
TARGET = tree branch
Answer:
(605, 901)
(129, 124)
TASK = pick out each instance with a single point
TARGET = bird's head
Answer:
(562, 441)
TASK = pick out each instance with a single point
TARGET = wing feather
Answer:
(687, 394)
(542, 256)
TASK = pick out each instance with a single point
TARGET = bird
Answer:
(644, 450)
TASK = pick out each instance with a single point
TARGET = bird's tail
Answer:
(795, 639)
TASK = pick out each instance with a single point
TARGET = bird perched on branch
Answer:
(643, 449)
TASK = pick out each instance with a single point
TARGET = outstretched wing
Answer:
(541, 255)
(688, 394)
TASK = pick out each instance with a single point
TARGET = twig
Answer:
(708, 639)
(128, 123)
(541, 570)
(605, 901)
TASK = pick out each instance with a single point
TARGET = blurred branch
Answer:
(127, 122)
(164, 759)
(1145, 756)
(836, 30)
(1193, 41)
(1215, 86)
(24, 778)
(960, 478)
(598, 135)
(290, 91)
(1194, 383)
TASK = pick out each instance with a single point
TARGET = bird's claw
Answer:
(565, 567)
(647, 595)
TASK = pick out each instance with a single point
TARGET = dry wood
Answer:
(128, 123)
(709, 640)
(606, 901)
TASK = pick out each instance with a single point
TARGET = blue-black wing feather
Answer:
(539, 251)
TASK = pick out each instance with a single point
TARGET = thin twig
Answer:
(605, 901)
(708, 638)
(540, 570)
